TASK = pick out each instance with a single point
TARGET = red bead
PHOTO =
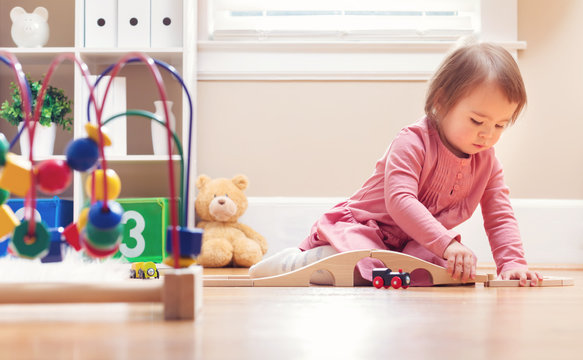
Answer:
(53, 176)
(71, 234)
(94, 252)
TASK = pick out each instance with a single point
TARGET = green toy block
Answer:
(144, 235)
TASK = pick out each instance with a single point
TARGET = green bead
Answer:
(20, 241)
(4, 196)
(4, 147)
(103, 239)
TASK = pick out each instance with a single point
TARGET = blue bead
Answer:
(107, 219)
(190, 241)
(4, 246)
(82, 154)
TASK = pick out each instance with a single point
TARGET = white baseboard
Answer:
(552, 230)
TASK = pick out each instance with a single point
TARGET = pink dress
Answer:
(417, 193)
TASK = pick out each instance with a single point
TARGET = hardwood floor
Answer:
(462, 322)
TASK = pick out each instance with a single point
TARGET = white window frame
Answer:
(343, 60)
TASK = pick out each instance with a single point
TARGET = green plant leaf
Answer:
(56, 106)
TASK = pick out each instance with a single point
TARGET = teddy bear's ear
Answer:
(240, 181)
(16, 12)
(201, 181)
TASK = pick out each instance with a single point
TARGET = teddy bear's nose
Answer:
(222, 202)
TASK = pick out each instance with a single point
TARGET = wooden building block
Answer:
(182, 293)
(547, 281)
(15, 176)
(8, 221)
(226, 282)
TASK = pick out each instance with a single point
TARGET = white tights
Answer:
(291, 259)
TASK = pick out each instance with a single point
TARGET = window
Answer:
(342, 39)
(280, 20)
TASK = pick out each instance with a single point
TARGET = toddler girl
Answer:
(432, 178)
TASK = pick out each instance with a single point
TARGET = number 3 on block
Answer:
(135, 233)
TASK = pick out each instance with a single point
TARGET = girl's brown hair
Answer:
(465, 69)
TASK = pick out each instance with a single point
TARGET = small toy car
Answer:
(144, 270)
(384, 277)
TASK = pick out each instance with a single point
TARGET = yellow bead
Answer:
(93, 133)
(8, 221)
(113, 185)
(16, 175)
(82, 221)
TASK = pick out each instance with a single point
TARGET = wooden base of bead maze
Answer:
(180, 292)
(341, 267)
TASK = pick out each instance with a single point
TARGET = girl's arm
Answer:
(402, 176)
(500, 224)
(503, 232)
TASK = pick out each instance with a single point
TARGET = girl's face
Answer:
(476, 122)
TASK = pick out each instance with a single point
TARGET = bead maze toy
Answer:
(98, 229)
(341, 267)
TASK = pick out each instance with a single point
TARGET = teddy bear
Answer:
(225, 241)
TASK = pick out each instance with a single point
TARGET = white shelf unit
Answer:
(142, 173)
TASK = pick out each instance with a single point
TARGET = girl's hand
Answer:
(461, 261)
(523, 276)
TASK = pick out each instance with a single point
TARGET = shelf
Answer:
(144, 174)
(110, 56)
(39, 56)
(127, 159)
(140, 158)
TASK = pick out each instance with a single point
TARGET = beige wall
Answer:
(307, 138)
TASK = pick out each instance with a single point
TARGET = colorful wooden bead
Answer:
(82, 221)
(103, 239)
(105, 218)
(71, 235)
(53, 176)
(8, 221)
(16, 175)
(4, 196)
(33, 245)
(95, 252)
(4, 147)
(113, 185)
(82, 154)
(190, 241)
(93, 133)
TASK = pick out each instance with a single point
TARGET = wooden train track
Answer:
(341, 267)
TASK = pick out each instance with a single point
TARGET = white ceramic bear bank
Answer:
(30, 29)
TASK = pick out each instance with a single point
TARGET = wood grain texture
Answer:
(180, 292)
(317, 322)
(547, 281)
(341, 267)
